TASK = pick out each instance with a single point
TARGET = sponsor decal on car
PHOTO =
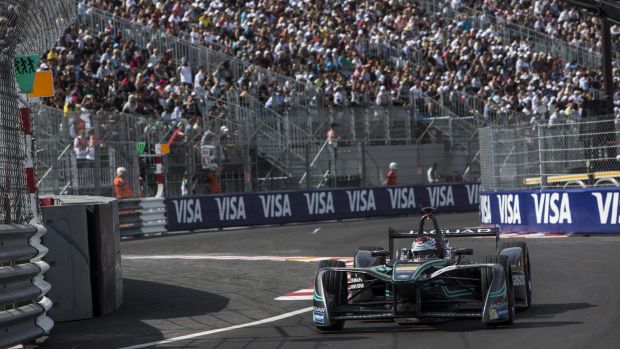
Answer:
(498, 310)
(356, 283)
(518, 279)
(408, 268)
(318, 315)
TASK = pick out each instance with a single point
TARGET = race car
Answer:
(427, 280)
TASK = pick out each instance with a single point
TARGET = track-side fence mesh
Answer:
(26, 28)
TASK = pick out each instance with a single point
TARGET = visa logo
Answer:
(607, 207)
(441, 196)
(361, 200)
(231, 208)
(485, 209)
(276, 205)
(473, 193)
(549, 210)
(188, 211)
(320, 203)
(509, 209)
(402, 198)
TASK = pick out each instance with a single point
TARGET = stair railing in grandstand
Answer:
(271, 126)
(539, 41)
(313, 162)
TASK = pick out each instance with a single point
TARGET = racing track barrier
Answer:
(574, 210)
(217, 211)
(23, 304)
(142, 216)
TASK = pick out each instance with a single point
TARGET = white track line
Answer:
(206, 333)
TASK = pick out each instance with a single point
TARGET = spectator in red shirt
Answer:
(391, 179)
(178, 135)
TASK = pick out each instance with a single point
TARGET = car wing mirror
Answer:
(380, 253)
(464, 252)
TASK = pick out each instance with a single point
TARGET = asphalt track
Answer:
(576, 299)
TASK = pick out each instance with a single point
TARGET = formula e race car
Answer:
(430, 280)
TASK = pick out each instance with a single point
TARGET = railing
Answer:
(313, 162)
(139, 217)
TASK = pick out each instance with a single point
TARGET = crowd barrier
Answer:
(591, 210)
(142, 216)
(23, 304)
(217, 211)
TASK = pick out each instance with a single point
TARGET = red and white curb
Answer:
(306, 293)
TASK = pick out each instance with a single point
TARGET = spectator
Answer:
(177, 135)
(122, 189)
(80, 146)
(212, 181)
(391, 177)
(332, 139)
(431, 174)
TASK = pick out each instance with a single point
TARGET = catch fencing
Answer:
(27, 29)
(69, 161)
(560, 153)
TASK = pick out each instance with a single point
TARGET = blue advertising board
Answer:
(591, 210)
(226, 210)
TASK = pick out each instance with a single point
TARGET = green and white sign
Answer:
(25, 69)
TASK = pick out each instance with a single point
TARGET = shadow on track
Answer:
(143, 300)
(448, 325)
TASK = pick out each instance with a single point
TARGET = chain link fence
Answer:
(554, 155)
(26, 28)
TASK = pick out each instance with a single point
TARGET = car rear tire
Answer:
(334, 284)
(486, 278)
(527, 266)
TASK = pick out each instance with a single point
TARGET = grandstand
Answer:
(409, 74)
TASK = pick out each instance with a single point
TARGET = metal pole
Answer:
(308, 166)
(607, 61)
(362, 147)
(97, 157)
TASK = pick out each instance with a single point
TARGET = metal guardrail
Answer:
(23, 305)
(142, 216)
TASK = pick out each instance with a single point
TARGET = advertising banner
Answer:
(213, 211)
(591, 210)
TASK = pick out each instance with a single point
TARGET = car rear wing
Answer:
(443, 233)
(458, 232)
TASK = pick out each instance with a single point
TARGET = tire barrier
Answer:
(23, 315)
(230, 210)
(574, 210)
(142, 216)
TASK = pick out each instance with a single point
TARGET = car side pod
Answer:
(499, 303)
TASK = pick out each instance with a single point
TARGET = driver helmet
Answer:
(393, 166)
(424, 247)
